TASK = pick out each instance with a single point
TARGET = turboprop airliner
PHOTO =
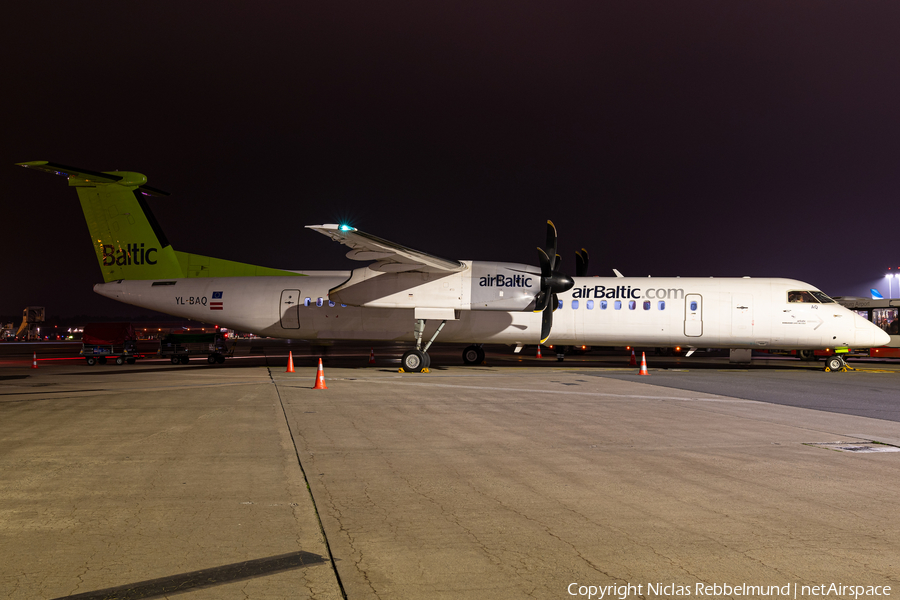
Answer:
(409, 295)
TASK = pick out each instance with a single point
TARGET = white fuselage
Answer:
(698, 312)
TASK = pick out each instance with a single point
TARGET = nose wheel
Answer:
(836, 363)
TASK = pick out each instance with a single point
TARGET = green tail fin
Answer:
(128, 241)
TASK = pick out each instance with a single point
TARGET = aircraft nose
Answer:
(870, 337)
(881, 337)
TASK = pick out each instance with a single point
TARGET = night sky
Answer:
(668, 138)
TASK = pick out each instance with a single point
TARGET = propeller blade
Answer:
(553, 282)
(546, 324)
(581, 263)
(546, 265)
(551, 242)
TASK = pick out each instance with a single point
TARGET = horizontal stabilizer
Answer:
(391, 257)
(84, 177)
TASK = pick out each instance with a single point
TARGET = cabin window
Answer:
(618, 305)
(574, 304)
(343, 306)
(661, 305)
(318, 302)
(646, 305)
(603, 305)
(694, 306)
(307, 301)
(330, 304)
(589, 304)
(801, 296)
(560, 305)
(632, 305)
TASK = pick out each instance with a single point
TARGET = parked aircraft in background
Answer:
(408, 295)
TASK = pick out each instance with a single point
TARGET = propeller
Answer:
(553, 282)
(581, 263)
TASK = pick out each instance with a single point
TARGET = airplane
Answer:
(411, 296)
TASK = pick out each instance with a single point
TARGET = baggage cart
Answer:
(180, 347)
(103, 342)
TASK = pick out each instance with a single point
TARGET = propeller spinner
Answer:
(553, 282)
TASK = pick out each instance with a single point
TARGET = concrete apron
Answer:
(493, 483)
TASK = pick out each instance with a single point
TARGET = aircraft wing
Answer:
(389, 257)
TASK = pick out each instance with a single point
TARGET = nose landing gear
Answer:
(837, 363)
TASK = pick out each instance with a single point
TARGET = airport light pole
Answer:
(890, 278)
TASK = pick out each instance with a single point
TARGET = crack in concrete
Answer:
(309, 490)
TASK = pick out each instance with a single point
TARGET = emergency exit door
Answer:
(289, 309)
(693, 315)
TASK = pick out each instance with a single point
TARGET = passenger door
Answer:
(693, 315)
(289, 309)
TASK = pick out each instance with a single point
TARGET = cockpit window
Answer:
(823, 298)
(799, 296)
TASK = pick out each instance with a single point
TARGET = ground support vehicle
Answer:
(102, 342)
(180, 347)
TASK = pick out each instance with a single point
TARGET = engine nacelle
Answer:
(503, 286)
(481, 286)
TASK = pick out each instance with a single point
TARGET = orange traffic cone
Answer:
(290, 368)
(633, 361)
(372, 356)
(320, 378)
(539, 351)
(644, 370)
(34, 361)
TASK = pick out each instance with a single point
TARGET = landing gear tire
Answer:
(102, 360)
(414, 361)
(120, 360)
(473, 355)
(91, 361)
(835, 363)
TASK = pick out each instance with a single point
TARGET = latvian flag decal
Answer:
(216, 302)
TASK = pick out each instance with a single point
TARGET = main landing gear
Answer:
(418, 361)
(473, 355)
